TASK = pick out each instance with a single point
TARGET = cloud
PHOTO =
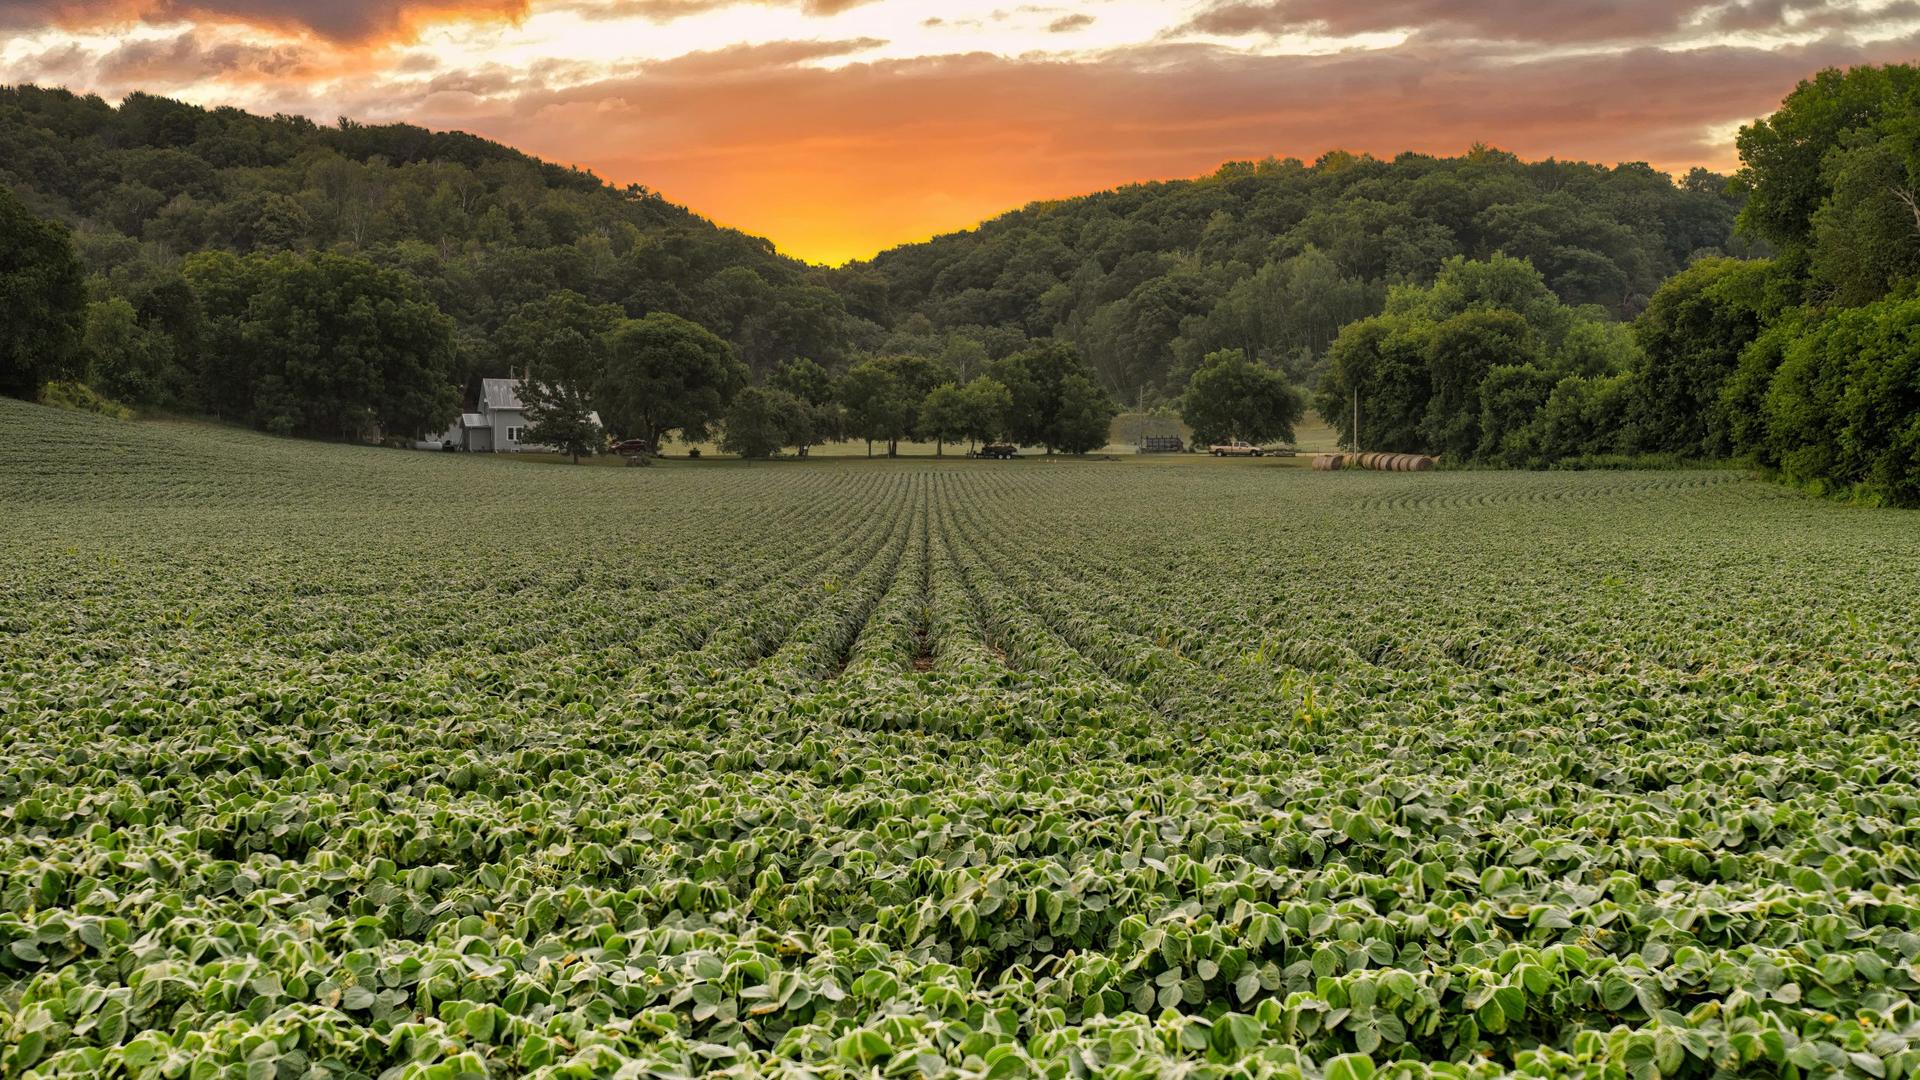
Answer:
(1068, 23)
(1503, 20)
(149, 63)
(337, 20)
(1819, 15)
(757, 58)
(1582, 22)
(837, 162)
(669, 10)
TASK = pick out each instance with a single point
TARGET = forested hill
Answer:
(1271, 257)
(485, 228)
(1275, 257)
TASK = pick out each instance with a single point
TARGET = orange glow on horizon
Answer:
(840, 128)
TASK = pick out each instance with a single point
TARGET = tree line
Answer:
(662, 376)
(336, 346)
(1806, 363)
(1275, 257)
(334, 280)
(1271, 258)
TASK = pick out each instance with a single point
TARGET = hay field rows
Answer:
(330, 761)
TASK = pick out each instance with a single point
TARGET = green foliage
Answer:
(322, 345)
(1230, 397)
(486, 229)
(1461, 352)
(1791, 159)
(82, 398)
(881, 402)
(985, 403)
(1054, 400)
(131, 361)
(665, 375)
(1378, 365)
(1692, 336)
(561, 343)
(559, 339)
(1144, 769)
(805, 381)
(1843, 409)
(1275, 257)
(42, 296)
(943, 415)
(761, 420)
(820, 416)
(1825, 392)
(1512, 396)
(561, 415)
(1420, 371)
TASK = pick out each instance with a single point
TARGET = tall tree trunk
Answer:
(869, 447)
(939, 447)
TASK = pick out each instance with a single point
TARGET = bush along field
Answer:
(327, 761)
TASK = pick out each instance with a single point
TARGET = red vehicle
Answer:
(634, 446)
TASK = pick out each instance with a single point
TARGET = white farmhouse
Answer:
(501, 424)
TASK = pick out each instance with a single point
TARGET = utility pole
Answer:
(1356, 420)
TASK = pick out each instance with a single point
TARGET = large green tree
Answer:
(560, 342)
(1692, 335)
(985, 404)
(813, 392)
(943, 416)
(1231, 397)
(42, 299)
(326, 345)
(1788, 158)
(1376, 385)
(128, 361)
(761, 420)
(1843, 410)
(881, 405)
(666, 375)
(1055, 401)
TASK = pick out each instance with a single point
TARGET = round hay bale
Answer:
(1403, 462)
(1422, 463)
(1326, 462)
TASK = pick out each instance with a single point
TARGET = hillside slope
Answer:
(1275, 256)
(484, 227)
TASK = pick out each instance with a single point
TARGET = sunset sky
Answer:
(839, 127)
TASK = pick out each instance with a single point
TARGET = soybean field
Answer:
(336, 762)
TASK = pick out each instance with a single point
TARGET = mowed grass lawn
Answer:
(321, 760)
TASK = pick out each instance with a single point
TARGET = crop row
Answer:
(970, 769)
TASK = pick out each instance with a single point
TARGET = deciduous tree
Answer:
(1231, 397)
(42, 299)
(666, 375)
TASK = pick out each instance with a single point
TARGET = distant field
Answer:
(1312, 435)
(320, 760)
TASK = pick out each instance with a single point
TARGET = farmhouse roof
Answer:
(501, 393)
